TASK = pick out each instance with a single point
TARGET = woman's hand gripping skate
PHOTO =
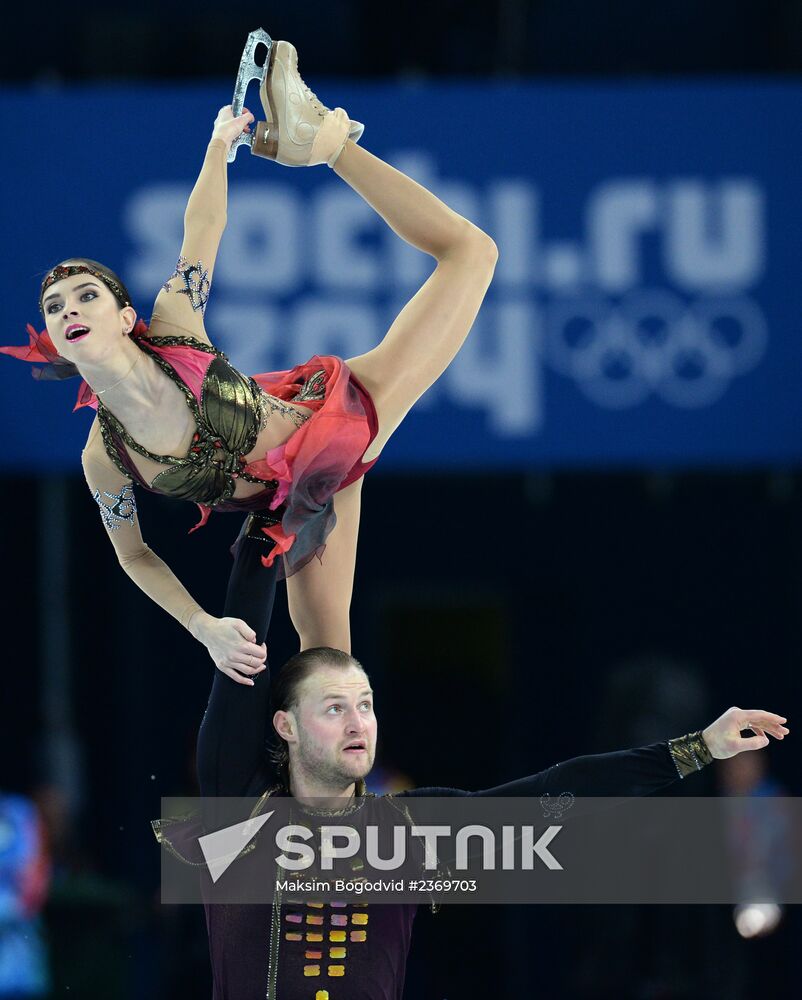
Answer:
(227, 127)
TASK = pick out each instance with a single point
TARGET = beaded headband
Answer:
(61, 271)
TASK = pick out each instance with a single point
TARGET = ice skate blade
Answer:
(249, 71)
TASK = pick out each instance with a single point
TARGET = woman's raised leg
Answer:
(416, 350)
(319, 595)
(430, 329)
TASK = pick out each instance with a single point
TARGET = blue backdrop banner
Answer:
(646, 305)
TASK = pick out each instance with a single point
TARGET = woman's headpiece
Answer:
(61, 271)
(42, 351)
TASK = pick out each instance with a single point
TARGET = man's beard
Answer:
(333, 774)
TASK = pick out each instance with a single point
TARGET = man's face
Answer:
(336, 727)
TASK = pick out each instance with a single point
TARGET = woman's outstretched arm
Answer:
(229, 641)
(181, 304)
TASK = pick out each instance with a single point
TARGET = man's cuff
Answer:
(690, 753)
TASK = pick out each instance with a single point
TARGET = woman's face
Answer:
(84, 318)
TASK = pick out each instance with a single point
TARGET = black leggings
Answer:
(232, 742)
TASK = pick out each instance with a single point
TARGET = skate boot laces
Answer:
(312, 97)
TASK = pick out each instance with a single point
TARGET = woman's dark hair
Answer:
(120, 293)
(286, 688)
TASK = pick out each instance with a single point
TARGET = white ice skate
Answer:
(300, 130)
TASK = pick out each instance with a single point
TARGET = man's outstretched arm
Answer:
(643, 770)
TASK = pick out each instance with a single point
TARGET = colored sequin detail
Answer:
(313, 954)
(359, 918)
(316, 906)
(336, 970)
(196, 283)
(336, 952)
(336, 935)
(322, 995)
(312, 938)
(359, 935)
(313, 388)
(311, 970)
(294, 918)
(338, 905)
(120, 510)
(312, 919)
(339, 919)
(294, 937)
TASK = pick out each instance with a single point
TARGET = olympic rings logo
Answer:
(652, 342)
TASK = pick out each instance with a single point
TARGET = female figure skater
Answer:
(289, 448)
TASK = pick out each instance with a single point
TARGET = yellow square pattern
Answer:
(336, 970)
(336, 952)
(337, 936)
(359, 918)
(311, 937)
(311, 970)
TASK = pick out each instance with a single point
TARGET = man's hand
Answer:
(232, 645)
(227, 127)
(723, 737)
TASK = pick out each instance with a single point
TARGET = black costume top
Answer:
(311, 951)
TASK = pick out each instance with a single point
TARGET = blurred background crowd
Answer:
(590, 537)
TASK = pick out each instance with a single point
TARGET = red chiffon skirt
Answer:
(320, 458)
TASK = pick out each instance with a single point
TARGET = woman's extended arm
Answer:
(230, 641)
(181, 303)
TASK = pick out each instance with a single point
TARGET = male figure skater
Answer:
(322, 712)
